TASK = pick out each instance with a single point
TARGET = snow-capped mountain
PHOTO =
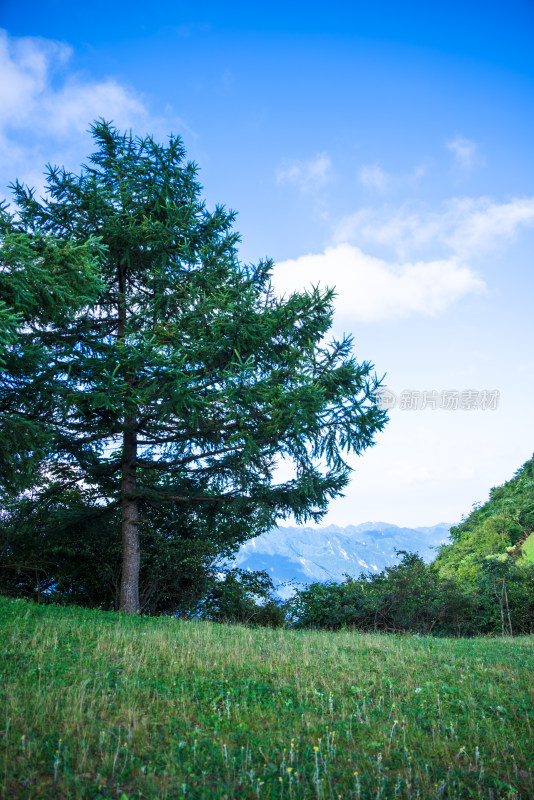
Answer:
(307, 555)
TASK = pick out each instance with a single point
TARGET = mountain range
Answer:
(296, 556)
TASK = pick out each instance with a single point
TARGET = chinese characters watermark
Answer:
(448, 400)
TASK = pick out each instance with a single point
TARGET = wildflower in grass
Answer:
(357, 784)
(316, 774)
(57, 759)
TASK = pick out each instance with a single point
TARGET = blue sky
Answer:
(384, 148)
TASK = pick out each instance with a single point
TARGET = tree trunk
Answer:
(507, 606)
(499, 598)
(131, 552)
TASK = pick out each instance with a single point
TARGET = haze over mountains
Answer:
(307, 555)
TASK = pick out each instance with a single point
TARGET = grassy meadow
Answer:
(100, 705)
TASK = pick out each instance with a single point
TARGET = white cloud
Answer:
(370, 289)
(30, 93)
(479, 224)
(465, 227)
(46, 108)
(310, 175)
(75, 104)
(464, 150)
(374, 177)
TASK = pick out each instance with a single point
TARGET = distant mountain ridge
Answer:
(308, 555)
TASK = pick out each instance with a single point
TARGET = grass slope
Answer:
(99, 705)
(527, 549)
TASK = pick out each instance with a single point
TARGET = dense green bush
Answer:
(413, 597)
(243, 597)
(406, 597)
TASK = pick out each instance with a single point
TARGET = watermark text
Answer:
(446, 400)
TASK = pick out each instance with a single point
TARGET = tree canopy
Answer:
(185, 382)
(500, 527)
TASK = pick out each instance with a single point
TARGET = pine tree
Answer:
(188, 381)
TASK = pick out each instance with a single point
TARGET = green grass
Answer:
(527, 548)
(99, 705)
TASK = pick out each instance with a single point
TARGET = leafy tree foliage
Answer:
(177, 392)
(499, 527)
